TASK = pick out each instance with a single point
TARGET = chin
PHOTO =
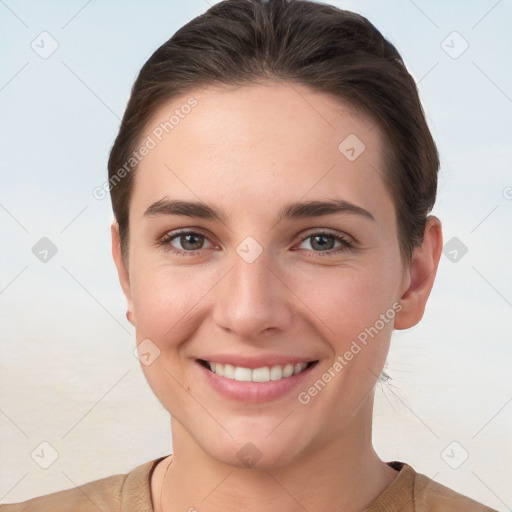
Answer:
(252, 451)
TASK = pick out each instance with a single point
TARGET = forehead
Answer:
(260, 110)
(259, 142)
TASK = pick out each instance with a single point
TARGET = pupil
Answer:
(324, 237)
(187, 238)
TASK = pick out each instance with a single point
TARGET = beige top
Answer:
(409, 492)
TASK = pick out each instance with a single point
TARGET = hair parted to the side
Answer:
(330, 50)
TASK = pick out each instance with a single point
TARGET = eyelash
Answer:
(346, 244)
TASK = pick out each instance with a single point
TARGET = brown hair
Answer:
(314, 44)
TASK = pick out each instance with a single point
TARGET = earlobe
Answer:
(422, 273)
(122, 271)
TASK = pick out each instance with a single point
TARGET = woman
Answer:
(271, 182)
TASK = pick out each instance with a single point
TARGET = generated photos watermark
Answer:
(150, 142)
(304, 397)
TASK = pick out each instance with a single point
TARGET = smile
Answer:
(251, 381)
(263, 374)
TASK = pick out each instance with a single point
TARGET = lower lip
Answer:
(253, 392)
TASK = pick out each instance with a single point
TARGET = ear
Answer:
(122, 271)
(420, 276)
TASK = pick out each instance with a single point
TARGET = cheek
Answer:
(165, 304)
(346, 300)
(164, 301)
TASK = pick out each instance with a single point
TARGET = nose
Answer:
(254, 299)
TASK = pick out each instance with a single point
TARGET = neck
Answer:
(343, 473)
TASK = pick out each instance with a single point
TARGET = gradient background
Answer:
(68, 374)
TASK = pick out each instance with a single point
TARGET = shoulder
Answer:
(130, 491)
(414, 492)
(104, 494)
(430, 496)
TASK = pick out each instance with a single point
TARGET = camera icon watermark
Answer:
(455, 455)
(455, 249)
(44, 250)
(454, 45)
(44, 45)
(249, 455)
(351, 147)
(146, 352)
(249, 250)
(44, 455)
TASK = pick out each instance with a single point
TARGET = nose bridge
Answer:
(253, 276)
(253, 298)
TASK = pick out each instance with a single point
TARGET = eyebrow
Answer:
(294, 210)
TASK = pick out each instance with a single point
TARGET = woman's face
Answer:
(257, 282)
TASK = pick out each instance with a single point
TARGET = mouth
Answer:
(261, 375)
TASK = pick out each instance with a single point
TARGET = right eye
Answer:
(190, 241)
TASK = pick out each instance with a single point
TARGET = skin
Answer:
(250, 150)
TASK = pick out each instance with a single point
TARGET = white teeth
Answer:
(243, 374)
(288, 370)
(229, 370)
(276, 373)
(263, 374)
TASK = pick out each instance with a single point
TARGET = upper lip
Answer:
(252, 362)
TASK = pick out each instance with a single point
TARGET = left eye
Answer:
(325, 242)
